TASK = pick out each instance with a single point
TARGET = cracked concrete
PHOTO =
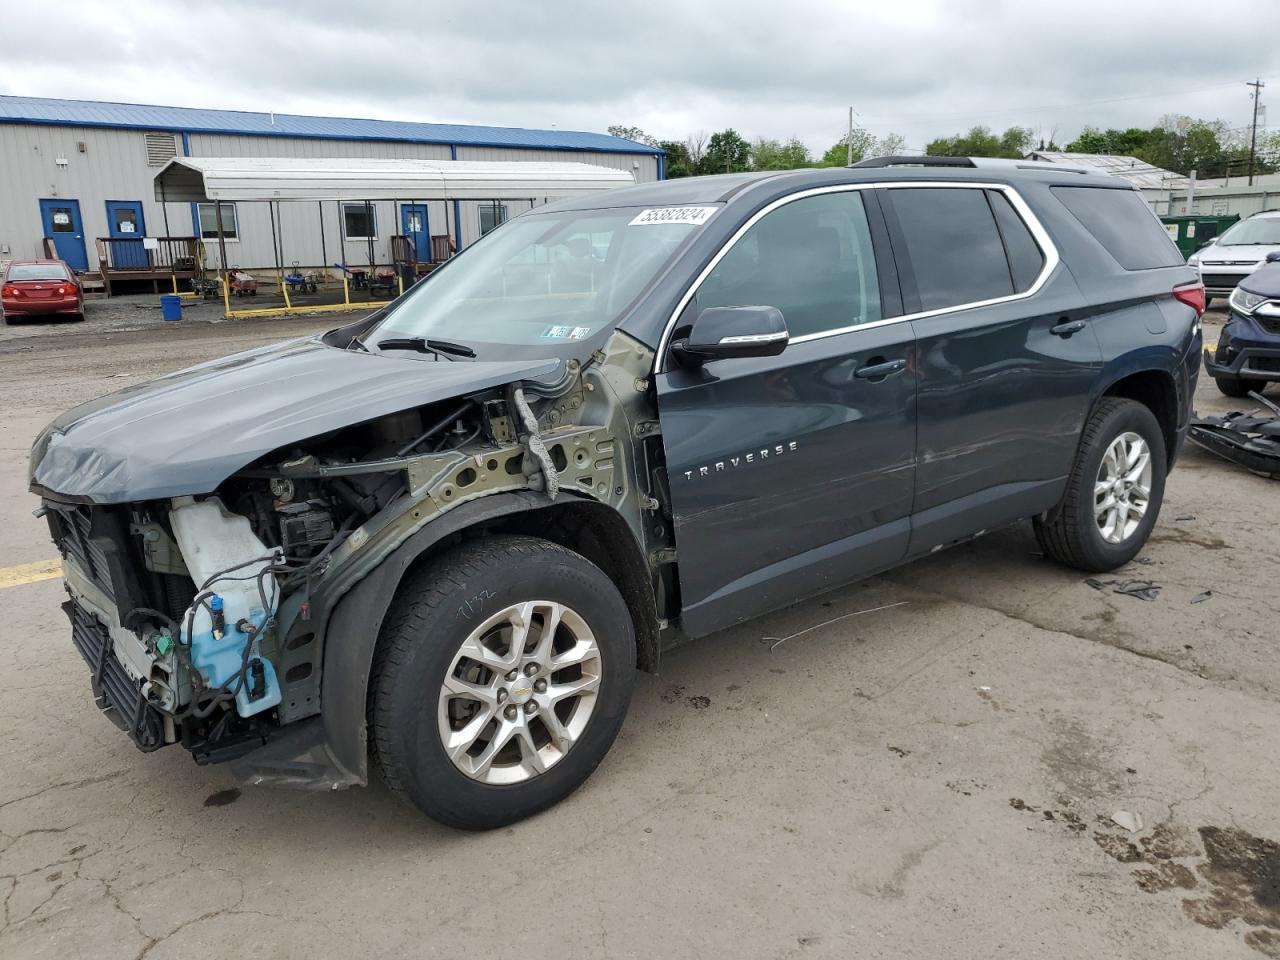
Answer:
(848, 793)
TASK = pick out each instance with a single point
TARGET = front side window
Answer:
(543, 282)
(953, 245)
(359, 221)
(811, 258)
(208, 213)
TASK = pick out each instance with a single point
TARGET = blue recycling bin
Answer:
(171, 306)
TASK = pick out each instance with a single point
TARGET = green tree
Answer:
(864, 147)
(632, 133)
(769, 154)
(982, 142)
(726, 152)
(679, 164)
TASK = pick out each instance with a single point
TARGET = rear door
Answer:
(62, 225)
(792, 474)
(1007, 360)
(127, 228)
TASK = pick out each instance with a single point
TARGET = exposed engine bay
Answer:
(202, 616)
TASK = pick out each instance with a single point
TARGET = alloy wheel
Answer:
(1122, 490)
(519, 692)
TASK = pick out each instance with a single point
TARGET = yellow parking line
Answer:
(16, 576)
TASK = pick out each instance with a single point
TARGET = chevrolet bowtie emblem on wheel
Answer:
(733, 463)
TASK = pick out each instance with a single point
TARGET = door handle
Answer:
(1067, 328)
(880, 369)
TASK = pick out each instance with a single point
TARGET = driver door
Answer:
(792, 474)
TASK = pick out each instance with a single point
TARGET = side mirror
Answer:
(720, 333)
(1273, 256)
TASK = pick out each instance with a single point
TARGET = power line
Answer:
(899, 118)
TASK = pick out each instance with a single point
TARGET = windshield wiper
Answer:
(424, 345)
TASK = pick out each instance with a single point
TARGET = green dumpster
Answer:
(1192, 232)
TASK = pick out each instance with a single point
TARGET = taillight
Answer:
(1192, 295)
(12, 292)
(62, 291)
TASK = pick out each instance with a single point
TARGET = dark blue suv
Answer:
(442, 539)
(1247, 355)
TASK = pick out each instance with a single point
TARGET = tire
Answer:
(445, 606)
(1072, 533)
(1235, 387)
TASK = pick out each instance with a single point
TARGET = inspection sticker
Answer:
(694, 215)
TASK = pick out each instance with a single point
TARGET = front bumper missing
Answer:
(1251, 440)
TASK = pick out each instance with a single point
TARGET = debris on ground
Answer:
(775, 642)
(1250, 439)
(1189, 516)
(1142, 589)
(1202, 597)
(1129, 819)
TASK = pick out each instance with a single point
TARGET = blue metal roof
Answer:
(134, 116)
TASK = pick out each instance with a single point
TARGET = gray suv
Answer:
(442, 539)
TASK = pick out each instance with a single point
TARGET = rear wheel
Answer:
(1114, 491)
(503, 674)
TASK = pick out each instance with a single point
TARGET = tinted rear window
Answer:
(37, 271)
(955, 249)
(1124, 224)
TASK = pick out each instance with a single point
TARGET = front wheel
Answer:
(502, 676)
(1113, 493)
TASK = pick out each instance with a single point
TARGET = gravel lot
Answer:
(935, 780)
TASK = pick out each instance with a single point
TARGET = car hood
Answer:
(1264, 281)
(1236, 253)
(187, 432)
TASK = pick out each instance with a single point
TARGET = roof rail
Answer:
(999, 163)
(921, 161)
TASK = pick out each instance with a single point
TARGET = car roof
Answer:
(1263, 215)
(725, 188)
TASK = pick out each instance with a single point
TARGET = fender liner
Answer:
(353, 628)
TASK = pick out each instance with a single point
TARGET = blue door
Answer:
(126, 226)
(413, 221)
(63, 226)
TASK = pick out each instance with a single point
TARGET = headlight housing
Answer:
(1193, 260)
(1246, 302)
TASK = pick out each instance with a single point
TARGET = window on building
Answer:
(953, 244)
(811, 258)
(209, 221)
(359, 221)
(492, 215)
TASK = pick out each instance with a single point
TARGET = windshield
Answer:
(1263, 230)
(543, 280)
(37, 271)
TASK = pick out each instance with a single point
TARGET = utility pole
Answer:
(1253, 129)
(849, 141)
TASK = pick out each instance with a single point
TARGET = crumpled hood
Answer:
(187, 432)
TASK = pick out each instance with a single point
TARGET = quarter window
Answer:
(1123, 223)
(359, 221)
(208, 216)
(811, 258)
(953, 245)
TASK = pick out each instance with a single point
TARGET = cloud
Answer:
(785, 68)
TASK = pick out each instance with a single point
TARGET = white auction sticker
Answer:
(694, 215)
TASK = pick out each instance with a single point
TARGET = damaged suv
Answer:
(442, 539)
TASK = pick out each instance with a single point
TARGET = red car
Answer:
(33, 287)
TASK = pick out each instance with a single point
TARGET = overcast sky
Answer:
(920, 68)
